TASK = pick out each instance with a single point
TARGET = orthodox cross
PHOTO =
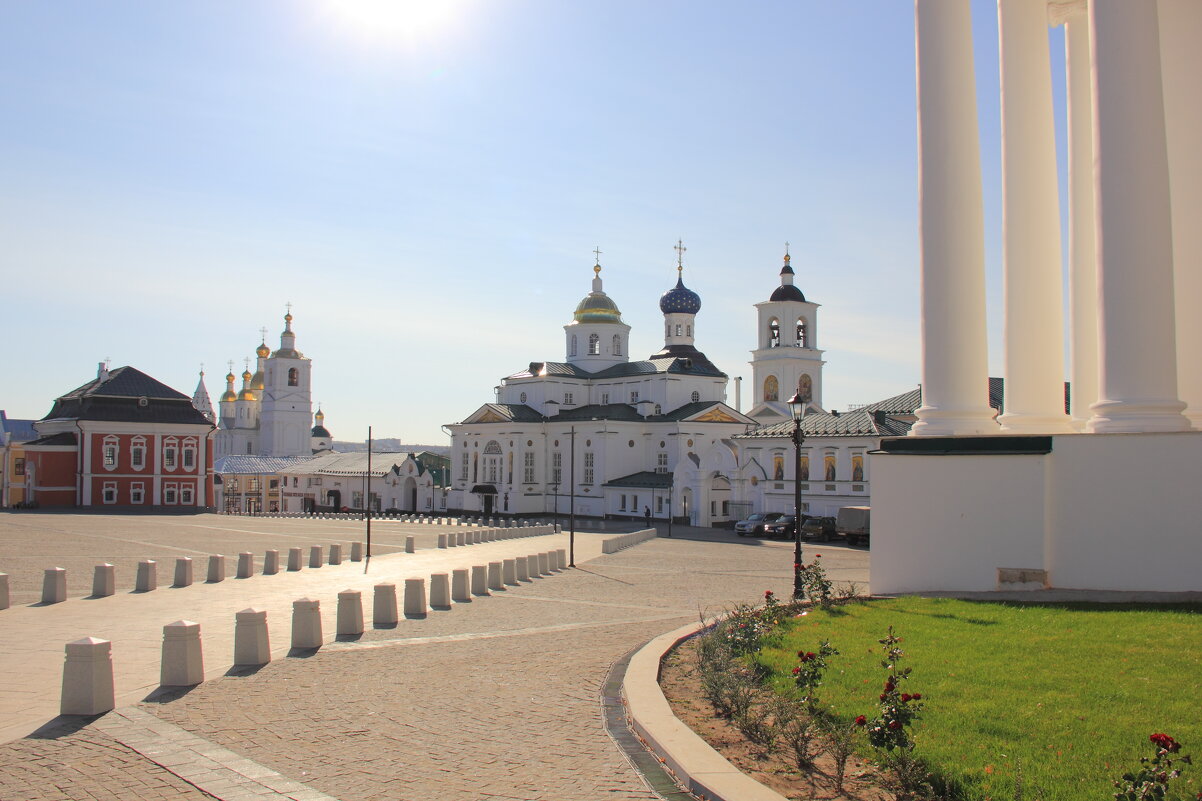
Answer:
(263, 334)
(680, 249)
(231, 363)
(597, 253)
(288, 306)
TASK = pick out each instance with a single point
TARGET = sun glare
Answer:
(393, 20)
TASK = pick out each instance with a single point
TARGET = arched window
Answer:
(492, 447)
(293, 376)
(594, 344)
(771, 388)
(678, 329)
(659, 409)
(522, 398)
(573, 353)
(696, 396)
(774, 333)
(805, 387)
(617, 345)
(667, 329)
(688, 330)
(803, 335)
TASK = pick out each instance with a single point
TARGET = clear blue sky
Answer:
(427, 193)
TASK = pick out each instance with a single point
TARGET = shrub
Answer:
(1151, 780)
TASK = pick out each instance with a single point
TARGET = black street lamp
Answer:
(797, 408)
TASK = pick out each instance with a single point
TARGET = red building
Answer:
(122, 440)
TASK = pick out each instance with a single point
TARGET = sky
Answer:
(426, 182)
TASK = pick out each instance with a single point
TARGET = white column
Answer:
(951, 227)
(1082, 252)
(1034, 329)
(1181, 64)
(1138, 377)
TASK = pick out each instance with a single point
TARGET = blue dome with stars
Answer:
(680, 300)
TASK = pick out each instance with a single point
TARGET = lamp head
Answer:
(797, 407)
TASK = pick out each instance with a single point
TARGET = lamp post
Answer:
(797, 408)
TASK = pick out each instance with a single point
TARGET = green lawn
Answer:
(1070, 691)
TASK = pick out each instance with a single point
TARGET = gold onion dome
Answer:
(256, 381)
(246, 395)
(228, 396)
(263, 351)
(597, 307)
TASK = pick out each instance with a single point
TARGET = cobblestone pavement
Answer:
(494, 699)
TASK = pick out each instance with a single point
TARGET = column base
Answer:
(1135, 417)
(1019, 423)
(934, 422)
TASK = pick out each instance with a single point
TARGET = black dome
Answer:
(788, 292)
(320, 431)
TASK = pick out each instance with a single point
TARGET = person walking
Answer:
(647, 515)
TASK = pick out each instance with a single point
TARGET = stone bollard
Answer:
(104, 581)
(5, 598)
(251, 646)
(246, 564)
(480, 580)
(183, 661)
(508, 571)
(315, 559)
(383, 612)
(306, 623)
(415, 597)
(294, 558)
(494, 576)
(336, 554)
(356, 552)
(54, 586)
(350, 612)
(563, 558)
(553, 556)
(442, 540)
(411, 543)
(519, 568)
(459, 590)
(477, 536)
(440, 591)
(148, 576)
(88, 678)
(183, 571)
(461, 538)
(544, 564)
(271, 562)
(216, 568)
(532, 566)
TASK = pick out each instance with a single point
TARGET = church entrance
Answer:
(409, 495)
(488, 505)
(335, 497)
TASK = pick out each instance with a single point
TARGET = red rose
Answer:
(888, 686)
(882, 696)
(767, 593)
(906, 697)
(895, 725)
(861, 720)
(796, 670)
(916, 697)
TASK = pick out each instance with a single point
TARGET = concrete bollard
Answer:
(519, 568)
(335, 554)
(411, 543)
(532, 566)
(459, 591)
(183, 661)
(544, 564)
(271, 562)
(246, 564)
(558, 528)
(104, 581)
(383, 612)
(88, 678)
(5, 598)
(563, 558)
(315, 556)
(54, 585)
(415, 597)
(494, 576)
(440, 591)
(479, 580)
(294, 558)
(462, 537)
(183, 571)
(251, 646)
(306, 623)
(356, 552)
(216, 568)
(350, 612)
(442, 540)
(553, 557)
(508, 571)
(148, 576)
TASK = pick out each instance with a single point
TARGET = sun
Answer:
(393, 20)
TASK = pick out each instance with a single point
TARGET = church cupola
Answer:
(679, 306)
(597, 338)
(320, 435)
(786, 290)
(200, 399)
(288, 339)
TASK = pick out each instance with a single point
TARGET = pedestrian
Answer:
(647, 515)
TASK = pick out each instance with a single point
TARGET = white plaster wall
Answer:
(1125, 512)
(948, 522)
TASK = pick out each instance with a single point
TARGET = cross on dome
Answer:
(680, 249)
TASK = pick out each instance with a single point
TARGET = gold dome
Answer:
(597, 308)
(228, 396)
(246, 375)
(246, 395)
(263, 351)
(256, 382)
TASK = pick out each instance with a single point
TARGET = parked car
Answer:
(853, 523)
(819, 528)
(754, 524)
(781, 528)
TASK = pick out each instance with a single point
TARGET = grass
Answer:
(1066, 694)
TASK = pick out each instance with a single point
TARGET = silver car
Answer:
(754, 524)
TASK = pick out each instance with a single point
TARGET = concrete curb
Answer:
(699, 768)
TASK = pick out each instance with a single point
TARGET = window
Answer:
(137, 455)
(634, 396)
(169, 493)
(273, 484)
(293, 376)
(659, 409)
(463, 468)
(774, 333)
(594, 345)
(18, 467)
(696, 396)
(588, 468)
(617, 345)
(659, 504)
(109, 452)
(771, 388)
(137, 493)
(252, 484)
(528, 467)
(688, 330)
(522, 398)
(357, 499)
(185, 496)
(661, 462)
(189, 458)
(802, 333)
(475, 467)
(248, 453)
(573, 350)
(509, 466)
(678, 329)
(622, 504)
(557, 468)
(231, 483)
(169, 457)
(567, 399)
(604, 398)
(109, 494)
(294, 480)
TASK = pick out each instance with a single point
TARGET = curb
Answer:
(697, 766)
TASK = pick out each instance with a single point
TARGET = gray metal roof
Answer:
(645, 479)
(243, 464)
